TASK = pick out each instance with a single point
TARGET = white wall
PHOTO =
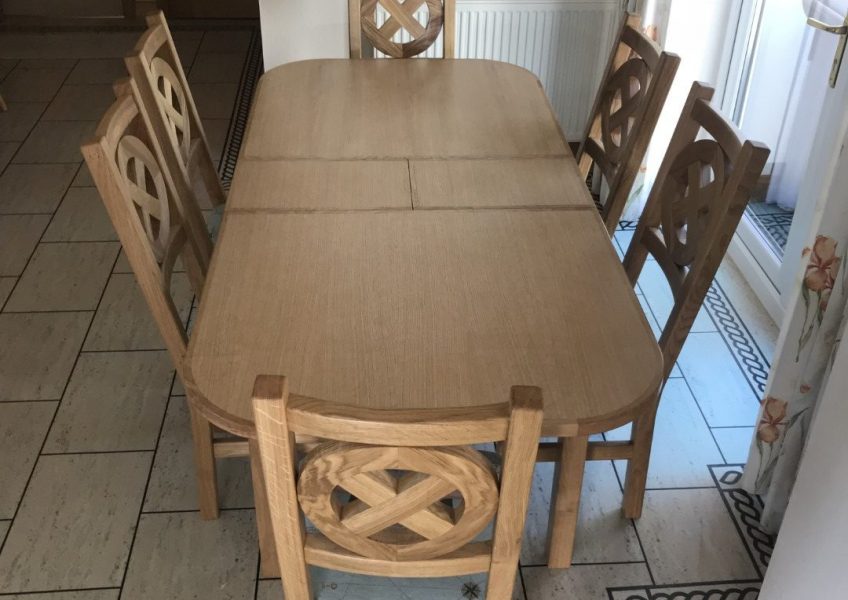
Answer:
(300, 29)
(811, 556)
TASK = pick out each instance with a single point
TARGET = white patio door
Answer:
(786, 100)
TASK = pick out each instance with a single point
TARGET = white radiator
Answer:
(566, 43)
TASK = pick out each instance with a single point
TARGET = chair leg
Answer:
(204, 460)
(637, 467)
(269, 565)
(565, 501)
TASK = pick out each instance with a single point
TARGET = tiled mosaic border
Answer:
(747, 353)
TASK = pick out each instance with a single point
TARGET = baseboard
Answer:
(756, 278)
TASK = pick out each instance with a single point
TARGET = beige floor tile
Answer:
(80, 103)
(7, 151)
(84, 595)
(657, 292)
(583, 582)
(172, 484)
(187, 43)
(55, 142)
(179, 556)
(47, 63)
(217, 68)
(33, 85)
(214, 100)
(721, 389)
(688, 535)
(34, 188)
(6, 285)
(123, 320)
(75, 524)
(36, 366)
(18, 121)
(683, 445)
(734, 443)
(81, 218)
(335, 585)
(97, 70)
(64, 277)
(19, 235)
(655, 327)
(602, 534)
(83, 177)
(4, 529)
(114, 401)
(216, 135)
(23, 426)
(61, 45)
(215, 42)
(6, 66)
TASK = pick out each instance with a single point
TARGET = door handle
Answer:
(836, 29)
(842, 32)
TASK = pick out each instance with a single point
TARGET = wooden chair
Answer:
(701, 191)
(156, 228)
(383, 488)
(628, 104)
(164, 93)
(362, 20)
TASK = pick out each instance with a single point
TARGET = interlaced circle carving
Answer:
(622, 98)
(146, 186)
(172, 99)
(397, 503)
(694, 182)
(402, 17)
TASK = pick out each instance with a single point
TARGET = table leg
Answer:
(637, 467)
(565, 501)
(269, 565)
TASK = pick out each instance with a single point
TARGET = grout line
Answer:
(146, 486)
(53, 214)
(56, 593)
(47, 312)
(633, 525)
(87, 452)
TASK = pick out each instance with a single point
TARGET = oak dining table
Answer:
(416, 234)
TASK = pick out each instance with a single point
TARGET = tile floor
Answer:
(97, 499)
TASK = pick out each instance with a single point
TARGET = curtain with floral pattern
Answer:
(807, 346)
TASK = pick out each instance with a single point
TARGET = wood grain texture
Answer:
(163, 92)
(498, 183)
(156, 225)
(349, 109)
(320, 185)
(698, 198)
(425, 309)
(362, 22)
(626, 110)
(400, 514)
(702, 188)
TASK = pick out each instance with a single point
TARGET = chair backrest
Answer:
(401, 21)
(396, 493)
(125, 161)
(701, 191)
(165, 95)
(630, 99)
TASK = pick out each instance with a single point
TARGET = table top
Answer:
(381, 134)
(390, 309)
(356, 257)
(372, 109)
